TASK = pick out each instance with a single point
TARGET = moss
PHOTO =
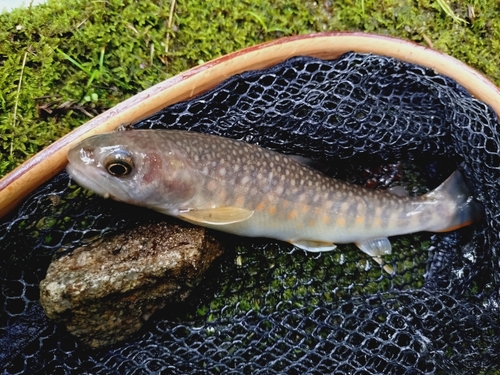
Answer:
(272, 279)
(64, 42)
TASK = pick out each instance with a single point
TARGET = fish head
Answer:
(133, 167)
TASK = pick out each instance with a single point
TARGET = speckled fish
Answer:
(247, 190)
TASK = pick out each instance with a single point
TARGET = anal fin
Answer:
(375, 248)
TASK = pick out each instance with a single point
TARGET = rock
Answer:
(103, 292)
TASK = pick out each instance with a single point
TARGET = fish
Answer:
(251, 191)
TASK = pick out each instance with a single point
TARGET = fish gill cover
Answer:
(262, 308)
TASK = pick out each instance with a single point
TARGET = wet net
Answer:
(265, 308)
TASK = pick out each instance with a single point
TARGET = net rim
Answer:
(15, 186)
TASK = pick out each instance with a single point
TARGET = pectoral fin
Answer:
(375, 248)
(313, 246)
(217, 216)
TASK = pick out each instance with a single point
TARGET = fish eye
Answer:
(119, 163)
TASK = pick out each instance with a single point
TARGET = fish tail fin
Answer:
(465, 209)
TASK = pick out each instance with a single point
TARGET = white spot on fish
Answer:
(302, 198)
(344, 207)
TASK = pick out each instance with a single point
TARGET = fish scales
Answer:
(251, 191)
(293, 193)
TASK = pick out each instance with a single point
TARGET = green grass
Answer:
(65, 61)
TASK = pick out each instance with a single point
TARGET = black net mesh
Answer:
(264, 308)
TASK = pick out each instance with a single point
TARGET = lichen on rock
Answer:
(105, 291)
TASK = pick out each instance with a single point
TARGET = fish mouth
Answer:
(88, 180)
(85, 170)
(84, 179)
